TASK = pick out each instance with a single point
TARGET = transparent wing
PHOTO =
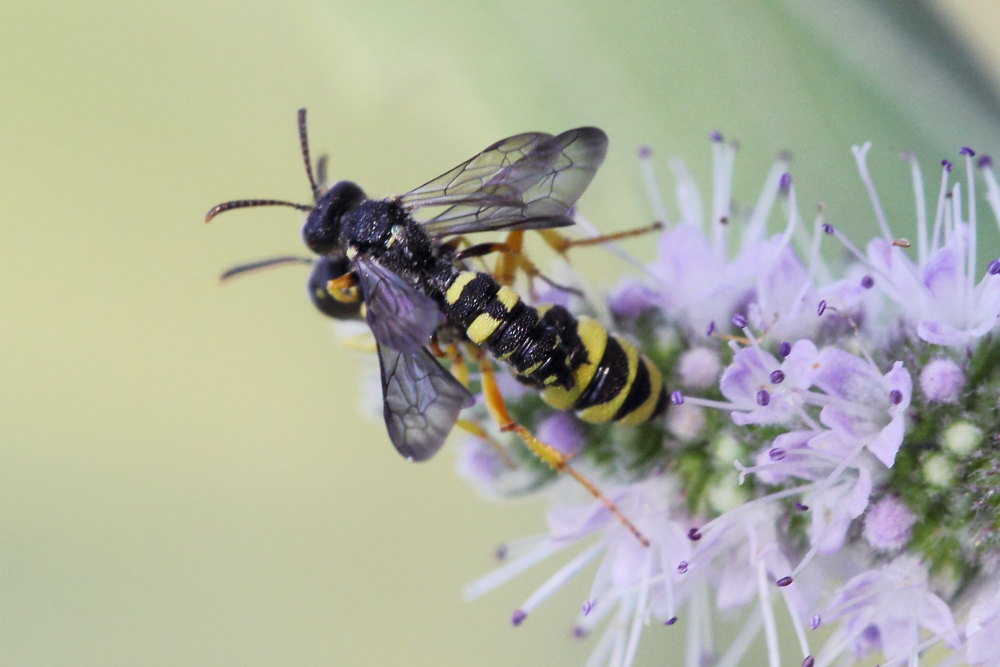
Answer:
(528, 181)
(422, 401)
(400, 317)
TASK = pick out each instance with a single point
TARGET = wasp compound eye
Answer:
(342, 303)
(321, 231)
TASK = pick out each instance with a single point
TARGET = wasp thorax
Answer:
(321, 231)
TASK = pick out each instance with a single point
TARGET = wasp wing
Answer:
(400, 316)
(528, 181)
(422, 401)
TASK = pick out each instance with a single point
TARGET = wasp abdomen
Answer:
(576, 363)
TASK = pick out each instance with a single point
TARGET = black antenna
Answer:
(246, 203)
(304, 142)
(262, 264)
(321, 169)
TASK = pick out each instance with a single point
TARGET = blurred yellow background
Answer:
(184, 475)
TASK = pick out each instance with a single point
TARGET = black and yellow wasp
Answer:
(411, 280)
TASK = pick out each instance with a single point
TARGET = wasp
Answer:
(396, 262)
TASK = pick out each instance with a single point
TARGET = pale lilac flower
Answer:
(870, 407)
(563, 431)
(795, 457)
(888, 523)
(702, 280)
(885, 609)
(699, 368)
(633, 583)
(938, 292)
(942, 381)
(982, 630)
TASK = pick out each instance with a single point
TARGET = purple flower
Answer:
(864, 410)
(983, 628)
(942, 381)
(885, 607)
(888, 523)
(937, 292)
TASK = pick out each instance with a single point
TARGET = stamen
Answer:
(920, 198)
(765, 201)
(971, 232)
(723, 158)
(562, 575)
(649, 180)
(860, 157)
(940, 211)
(767, 612)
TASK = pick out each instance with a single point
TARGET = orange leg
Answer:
(561, 243)
(549, 455)
(475, 429)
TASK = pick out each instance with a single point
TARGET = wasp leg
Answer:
(506, 270)
(546, 453)
(561, 243)
(475, 429)
(460, 370)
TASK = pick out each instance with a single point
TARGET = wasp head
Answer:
(321, 232)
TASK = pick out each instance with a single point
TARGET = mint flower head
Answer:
(829, 466)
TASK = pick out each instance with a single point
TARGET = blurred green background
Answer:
(184, 475)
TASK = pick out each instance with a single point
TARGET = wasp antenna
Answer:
(321, 169)
(259, 265)
(247, 203)
(304, 142)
